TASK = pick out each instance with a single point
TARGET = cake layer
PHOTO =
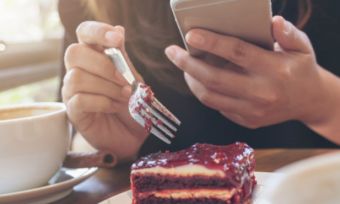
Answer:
(181, 171)
(155, 200)
(233, 160)
(221, 194)
(150, 182)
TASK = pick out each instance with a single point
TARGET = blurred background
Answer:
(30, 51)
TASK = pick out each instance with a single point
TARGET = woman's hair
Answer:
(305, 12)
(100, 10)
(151, 27)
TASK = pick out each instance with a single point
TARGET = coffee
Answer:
(24, 112)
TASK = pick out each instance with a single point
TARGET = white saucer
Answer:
(58, 187)
(261, 177)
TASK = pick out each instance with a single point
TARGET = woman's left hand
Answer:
(259, 87)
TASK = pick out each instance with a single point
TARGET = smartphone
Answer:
(249, 20)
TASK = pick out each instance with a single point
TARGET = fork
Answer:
(144, 108)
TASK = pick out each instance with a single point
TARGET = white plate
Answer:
(58, 187)
(126, 197)
(315, 180)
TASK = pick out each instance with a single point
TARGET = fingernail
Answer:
(111, 36)
(194, 38)
(170, 53)
(287, 27)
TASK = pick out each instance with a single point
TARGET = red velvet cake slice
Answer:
(200, 174)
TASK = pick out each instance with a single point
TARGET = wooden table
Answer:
(106, 183)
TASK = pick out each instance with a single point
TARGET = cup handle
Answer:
(86, 160)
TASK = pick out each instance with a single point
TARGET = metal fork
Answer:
(143, 106)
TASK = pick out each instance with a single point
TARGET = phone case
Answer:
(250, 20)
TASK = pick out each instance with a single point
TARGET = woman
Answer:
(283, 98)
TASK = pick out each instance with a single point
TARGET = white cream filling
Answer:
(185, 170)
(220, 194)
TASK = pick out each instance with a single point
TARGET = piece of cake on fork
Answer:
(201, 174)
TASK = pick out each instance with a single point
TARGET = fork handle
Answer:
(121, 65)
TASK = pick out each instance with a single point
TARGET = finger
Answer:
(215, 100)
(100, 34)
(233, 117)
(235, 50)
(289, 37)
(80, 81)
(82, 56)
(236, 118)
(222, 80)
(80, 105)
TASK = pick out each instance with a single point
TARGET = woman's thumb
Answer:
(289, 37)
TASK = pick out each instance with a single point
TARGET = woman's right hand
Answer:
(95, 93)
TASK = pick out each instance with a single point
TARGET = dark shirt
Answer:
(204, 125)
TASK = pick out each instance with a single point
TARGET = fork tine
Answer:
(161, 108)
(154, 131)
(159, 117)
(160, 135)
(165, 130)
(155, 122)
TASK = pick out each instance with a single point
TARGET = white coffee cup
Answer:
(34, 140)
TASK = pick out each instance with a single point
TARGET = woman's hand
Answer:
(95, 93)
(259, 87)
